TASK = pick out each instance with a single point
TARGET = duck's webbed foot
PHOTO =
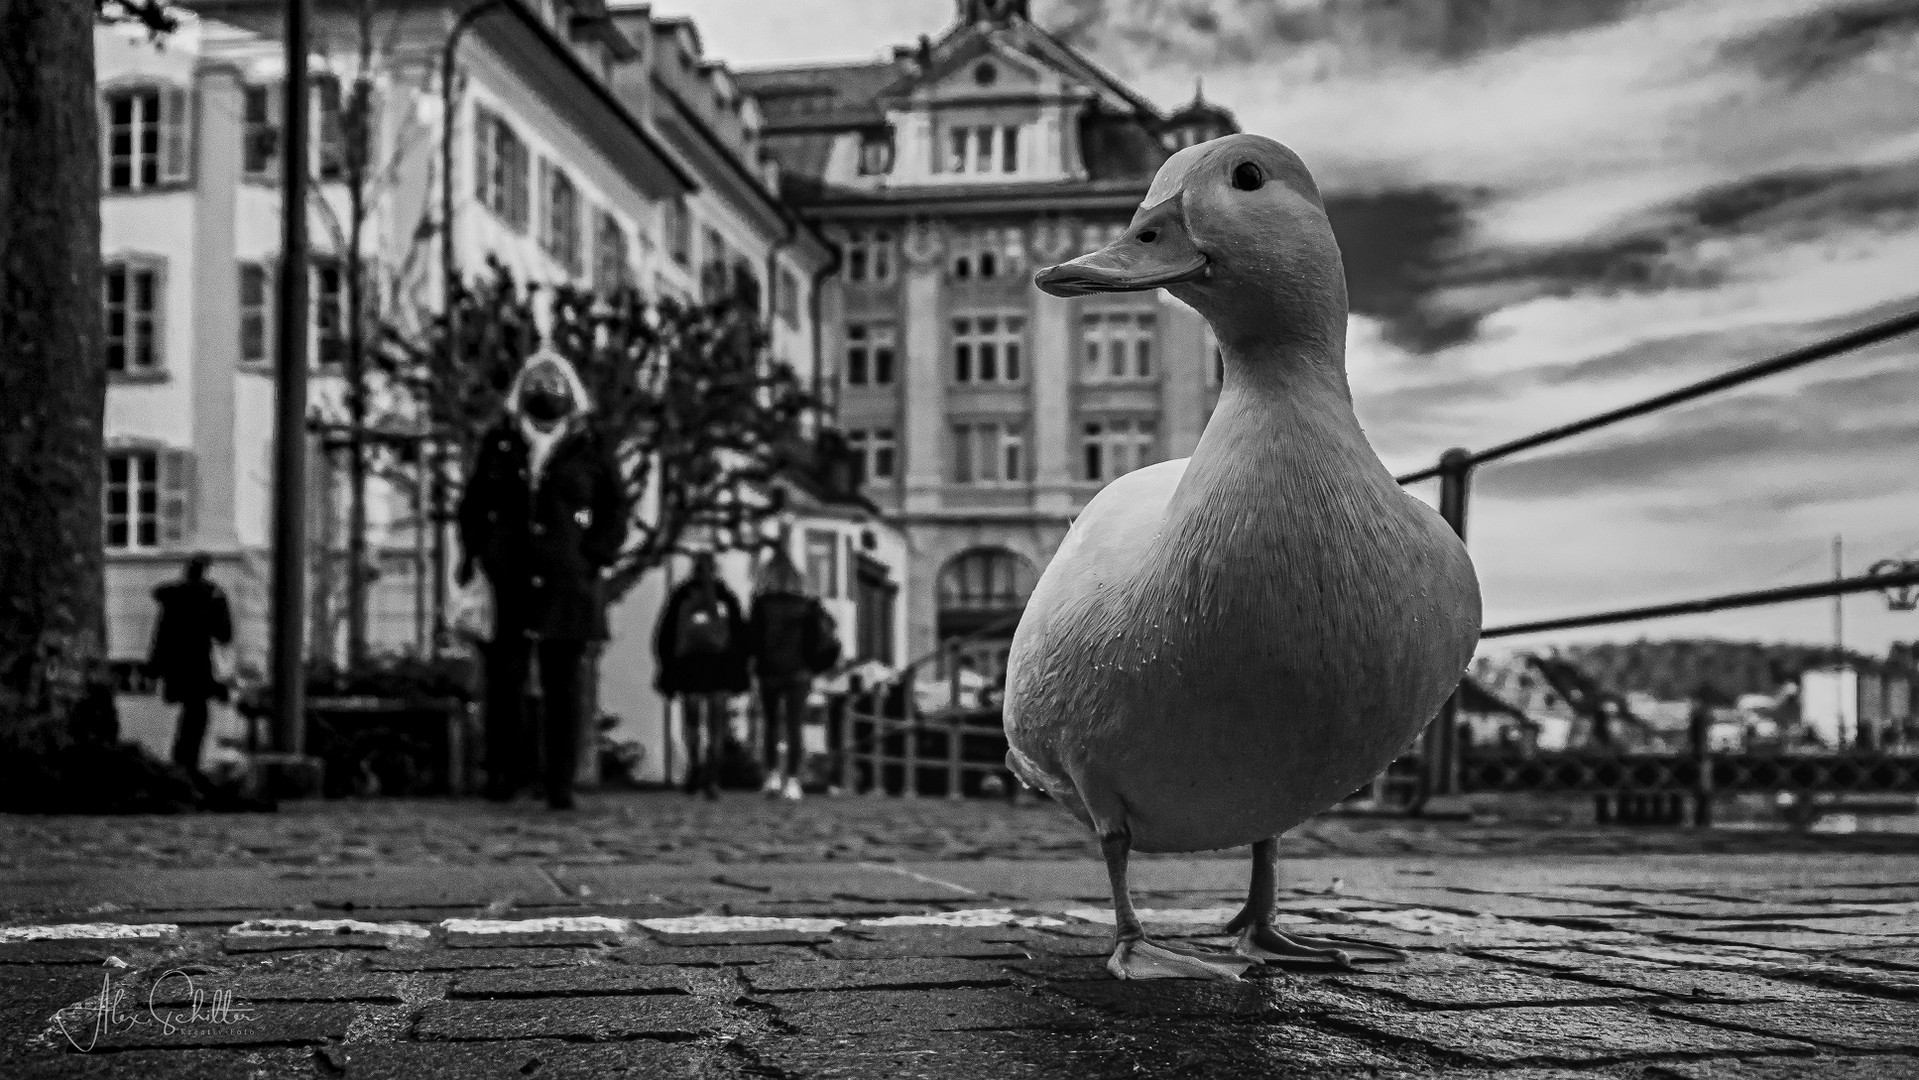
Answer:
(1260, 941)
(1137, 957)
(1143, 958)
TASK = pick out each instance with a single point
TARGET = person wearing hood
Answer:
(790, 639)
(542, 517)
(194, 617)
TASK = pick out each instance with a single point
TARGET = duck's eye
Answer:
(1248, 176)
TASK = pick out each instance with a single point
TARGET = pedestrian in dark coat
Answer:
(194, 617)
(700, 646)
(542, 516)
(784, 637)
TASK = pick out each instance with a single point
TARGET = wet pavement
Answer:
(653, 936)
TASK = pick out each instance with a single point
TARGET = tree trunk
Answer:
(52, 377)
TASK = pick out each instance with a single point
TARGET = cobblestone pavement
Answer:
(670, 828)
(882, 938)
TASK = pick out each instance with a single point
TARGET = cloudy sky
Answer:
(1550, 207)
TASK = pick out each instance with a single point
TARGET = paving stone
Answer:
(639, 1059)
(244, 988)
(1865, 925)
(136, 1026)
(742, 937)
(545, 939)
(465, 959)
(873, 974)
(659, 1016)
(1792, 1068)
(569, 981)
(1481, 989)
(1791, 939)
(1508, 906)
(239, 944)
(887, 1011)
(194, 1064)
(908, 1055)
(1862, 1024)
(1076, 968)
(1100, 945)
(58, 952)
(1686, 983)
(1562, 1035)
(1161, 999)
(1899, 957)
(709, 955)
(1295, 1050)
(923, 945)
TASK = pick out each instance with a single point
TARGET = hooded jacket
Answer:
(544, 539)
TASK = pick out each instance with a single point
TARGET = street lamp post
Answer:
(290, 442)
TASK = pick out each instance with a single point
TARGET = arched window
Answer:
(981, 588)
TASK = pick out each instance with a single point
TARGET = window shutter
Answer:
(175, 129)
(176, 497)
(159, 268)
(483, 157)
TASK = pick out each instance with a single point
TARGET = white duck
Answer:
(1225, 645)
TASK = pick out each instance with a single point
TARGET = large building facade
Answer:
(589, 146)
(987, 412)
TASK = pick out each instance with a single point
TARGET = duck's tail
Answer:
(1056, 784)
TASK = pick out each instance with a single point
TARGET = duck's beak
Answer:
(1156, 250)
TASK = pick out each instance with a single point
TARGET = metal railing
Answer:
(877, 739)
(1454, 471)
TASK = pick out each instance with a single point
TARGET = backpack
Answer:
(822, 645)
(704, 628)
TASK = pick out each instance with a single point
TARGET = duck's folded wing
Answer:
(1125, 514)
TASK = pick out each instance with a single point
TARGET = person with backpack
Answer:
(701, 649)
(790, 638)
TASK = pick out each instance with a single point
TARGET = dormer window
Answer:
(876, 153)
(983, 149)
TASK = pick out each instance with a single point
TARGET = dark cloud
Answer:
(1235, 31)
(1806, 48)
(1396, 246)
(1689, 447)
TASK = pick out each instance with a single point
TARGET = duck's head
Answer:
(1234, 227)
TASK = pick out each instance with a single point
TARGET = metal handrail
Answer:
(1857, 339)
(1811, 591)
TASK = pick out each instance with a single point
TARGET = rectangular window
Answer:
(612, 262)
(131, 497)
(956, 153)
(989, 453)
(1009, 149)
(822, 563)
(131, 298)
(1118, 345)
(870, 349)
(983, 150)
(560, 218)
(678, 230)
(858, 356)
(332, 130)
(327, 285)
(786, 297)
(885, 450)
(501, 170)
(988, 348)
(877, 450)
(1012, 454)
(133, 139)
(1116, 447)
(255, 312)
(260, 131)
(869, 256)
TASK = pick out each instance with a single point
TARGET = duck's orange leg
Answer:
(1135, 956)
(1260, 941)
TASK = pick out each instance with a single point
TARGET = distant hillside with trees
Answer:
(1676, 670)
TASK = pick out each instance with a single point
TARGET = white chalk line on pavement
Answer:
(292, 927)
(921, 878)
(88, 932)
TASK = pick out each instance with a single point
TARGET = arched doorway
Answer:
(982, 587)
